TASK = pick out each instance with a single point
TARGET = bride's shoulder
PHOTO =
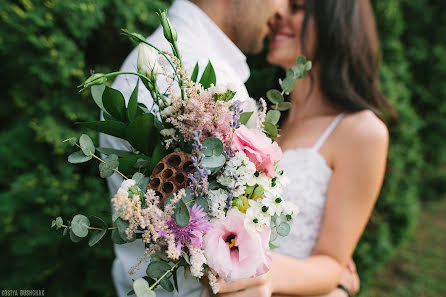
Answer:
(363, 129)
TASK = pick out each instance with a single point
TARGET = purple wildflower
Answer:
(198, 183)
(192, 234)
(236, 114)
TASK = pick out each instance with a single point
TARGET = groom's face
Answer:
(250, 22)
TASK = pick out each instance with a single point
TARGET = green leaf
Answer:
(116, 238)
(208, 76)
(214, 185)
(141, 181)
(110, 151)
(195, 73)
(272, 246)
(175, 280)
(74, 238)
(227, 96)
(273, 116)
(273, 235)
(283, 229)
(288, 83)
(157, 269)
(114, 104)
(122, 227)
(181, 214)
(270, 128)
(72, 141)
(58, 222)
(86, 145)
(106, 168)
(244, 117)
(126, 164)
(78, 157)
(132, 108)
(141, 133)
(274, 96)
(113, 128)
(159, 152)
(166, 284)
(284, 106)
(142, 288)
(96, 93)
(96, 235)
(214, 162)
(201, 201)
(65, 231)
(53, 223)
(214, 147)
(79, 225)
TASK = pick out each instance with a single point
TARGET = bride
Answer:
(334, 141)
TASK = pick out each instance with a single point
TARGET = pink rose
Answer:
(235, 252)
(258, 148)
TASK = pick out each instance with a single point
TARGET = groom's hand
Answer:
(350, 278)
(260, 286)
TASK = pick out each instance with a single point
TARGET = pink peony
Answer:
(258, 148)
(235, 252)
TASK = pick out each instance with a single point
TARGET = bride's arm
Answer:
(361, 153)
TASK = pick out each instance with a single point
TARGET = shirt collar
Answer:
(190, 14)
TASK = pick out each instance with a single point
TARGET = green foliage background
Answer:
(48, 47)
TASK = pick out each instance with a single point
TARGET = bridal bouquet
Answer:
(201, 189)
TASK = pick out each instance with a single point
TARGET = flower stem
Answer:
(91, 228)
(164, 275)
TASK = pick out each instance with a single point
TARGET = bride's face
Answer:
(285, 37)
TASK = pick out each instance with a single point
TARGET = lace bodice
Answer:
(309, 177)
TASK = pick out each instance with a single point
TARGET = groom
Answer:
(220, 31)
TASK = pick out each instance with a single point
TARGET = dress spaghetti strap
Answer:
(317, 146)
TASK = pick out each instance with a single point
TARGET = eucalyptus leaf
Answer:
(208, 76)
(132, 107)
(79, 225)
(273, 116)
(72, 141)
(195, 73)
(181, 214)
(65, 231)
(273, 235)
(141, 181)
(214, 147)
(74, 238)
(53, 223)
(284, 106)
(78, 157)
(270, 128)
(142, 289)
(86, 145)
(114, 103)
(214, 185)
(215, 162)
(166, 284)
(201, 201)
(122, 227)
(244, 117)
(96, 235)
(274, 96)
(113, 128)
(116, 238)
(107, 167)
(157, 269)
(283, 229)
(59, 222)
(272, 246)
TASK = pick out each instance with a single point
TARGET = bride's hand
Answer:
(350, 278)
(260, 286)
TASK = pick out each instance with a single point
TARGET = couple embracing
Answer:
(334, 139)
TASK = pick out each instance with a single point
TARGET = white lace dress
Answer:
(309, 177)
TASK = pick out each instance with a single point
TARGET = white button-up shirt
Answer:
(199, 40)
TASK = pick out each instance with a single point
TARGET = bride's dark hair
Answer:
(347, 53)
